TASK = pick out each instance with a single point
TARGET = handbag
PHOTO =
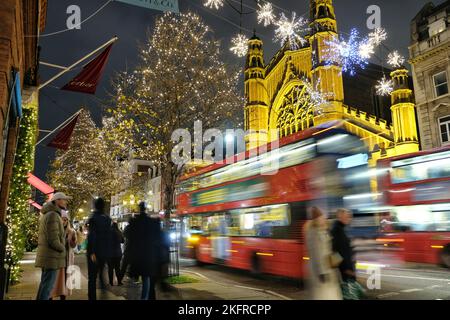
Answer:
(335, 260)
(352, 290)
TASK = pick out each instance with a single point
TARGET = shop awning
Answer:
(40, 185)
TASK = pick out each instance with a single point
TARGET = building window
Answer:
(440, 83)
(444, 126)
(436, 27)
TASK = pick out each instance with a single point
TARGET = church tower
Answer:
(403, 113)
(325, 77)
(256, 99)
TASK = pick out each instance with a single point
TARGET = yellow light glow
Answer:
(437, 247)
(193, 239)
(390, 240)
(264, 254)
(305, 258)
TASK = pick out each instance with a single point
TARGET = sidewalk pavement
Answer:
(29, 284)
(203, 289)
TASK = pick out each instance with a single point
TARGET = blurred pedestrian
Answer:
(342, 244)
(145, 247)
(60, 289)
(51, 250)
(98, 247)
(126, 253)
(80, 238)
(351, 289)
(323, 276)
(116, 255)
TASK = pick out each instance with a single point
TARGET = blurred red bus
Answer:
(239, 217)
(416, 190)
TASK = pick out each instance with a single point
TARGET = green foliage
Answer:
(19, 218)
(181, 279)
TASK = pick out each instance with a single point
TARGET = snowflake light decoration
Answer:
(213, 4)
(346, 53)
(377, 36)
(290, 30)
(265, 14)
(366, 49)
(239, 45)
(384, 86)
(395, 59)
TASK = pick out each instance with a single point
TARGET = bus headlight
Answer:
(193, 239)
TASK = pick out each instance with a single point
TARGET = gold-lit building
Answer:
(278, 95)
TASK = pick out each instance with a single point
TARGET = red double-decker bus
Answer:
(247, 215)
(416, 191)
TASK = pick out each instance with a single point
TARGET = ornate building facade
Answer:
(279, 94)
(430, 61)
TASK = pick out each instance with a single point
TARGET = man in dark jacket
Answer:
(342, 244)
(99, 246)
(51, 250)
(116, 255)
(144, 244)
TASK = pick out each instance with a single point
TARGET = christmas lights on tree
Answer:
(87, 168)
(179, 79)
(18, 212)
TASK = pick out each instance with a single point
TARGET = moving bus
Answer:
(247, 215)
(416, 191)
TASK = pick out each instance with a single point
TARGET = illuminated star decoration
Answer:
(239, 45)
(213, 4)
(384, 86)
(290, 30)
(346, 53)
(366, 49)
(265, 14)
(377, 36)
(395, 59)
(317, 97)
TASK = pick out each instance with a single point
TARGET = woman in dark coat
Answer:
(116, 255)
(144, 244)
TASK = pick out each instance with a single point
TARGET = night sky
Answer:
(131, 24)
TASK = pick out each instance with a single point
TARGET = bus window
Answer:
(421, 168)
(433, 217)
(259, 222)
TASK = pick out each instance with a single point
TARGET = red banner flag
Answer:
(62, 139)
(87, 80)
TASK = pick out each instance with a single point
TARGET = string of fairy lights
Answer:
(351, 53)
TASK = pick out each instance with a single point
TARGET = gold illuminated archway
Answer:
(292, 109)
